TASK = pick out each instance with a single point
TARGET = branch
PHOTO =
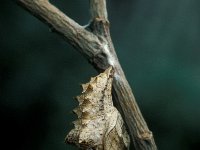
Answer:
(98, 9)
(98, 48)
(84, 41)
(99, 18)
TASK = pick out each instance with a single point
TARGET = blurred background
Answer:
(157, 43)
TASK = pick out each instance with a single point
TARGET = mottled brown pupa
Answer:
(99, 125)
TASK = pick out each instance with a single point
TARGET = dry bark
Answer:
(97, 47)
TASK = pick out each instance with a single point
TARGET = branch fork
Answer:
(97, 47)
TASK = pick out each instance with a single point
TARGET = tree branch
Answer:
(98, 48)
(84, 41)
(98, 9)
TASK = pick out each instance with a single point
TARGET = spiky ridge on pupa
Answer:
(96, 114)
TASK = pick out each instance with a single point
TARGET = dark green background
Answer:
(157, 42)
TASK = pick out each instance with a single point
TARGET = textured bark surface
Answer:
(99, 125)
(96, 45)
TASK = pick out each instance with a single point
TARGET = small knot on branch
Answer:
(147, 135)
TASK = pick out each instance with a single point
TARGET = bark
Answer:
(97, 47)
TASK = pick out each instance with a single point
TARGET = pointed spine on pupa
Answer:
(91, 101)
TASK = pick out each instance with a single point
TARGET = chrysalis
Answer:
(99, 125)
